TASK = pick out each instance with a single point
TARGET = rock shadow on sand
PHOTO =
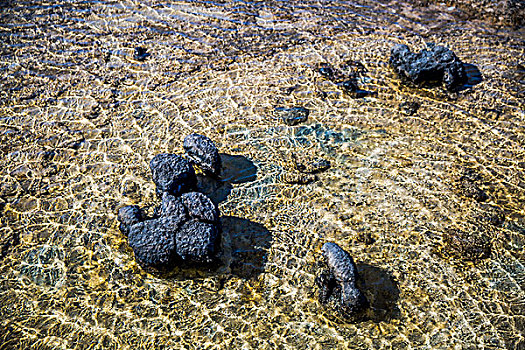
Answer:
(381, 290)
(236, 169)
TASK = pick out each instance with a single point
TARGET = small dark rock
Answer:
(338, 284)
(467, 245)
(293, 115)
(153, 243)
(326, 71)
(197, 242)
(172, 173)
(433, 65)
(409, 107)
(298, 178)
(203, 153)
(129, 216)
(140, 54)
(466, 186)
(200, 207)
(312, 166)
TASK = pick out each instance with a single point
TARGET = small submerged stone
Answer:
(437, 64)
(409, 107)
(312, 166)
(293, 115)
(466, 245)
(140, 54)
(467, 186)
(203, 153)
(129, 216)
(337, 284)
(298, 178)
(172, 173)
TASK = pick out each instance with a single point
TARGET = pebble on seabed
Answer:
(293, 115)
(203, 153)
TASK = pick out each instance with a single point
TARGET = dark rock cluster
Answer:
(337, 284)
(437, 64)
(185, 229)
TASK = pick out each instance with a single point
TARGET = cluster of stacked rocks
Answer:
(185, 229)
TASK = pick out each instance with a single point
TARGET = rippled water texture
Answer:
(80, 118)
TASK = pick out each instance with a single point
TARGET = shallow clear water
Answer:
(80, 119)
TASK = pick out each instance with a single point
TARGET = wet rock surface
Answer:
(172, 173)
(153, 243)
(311, 165)
(346, 78)
(200, 207)
(434, 65)
(129, 216)
(292, 115)
(197, 242)
(140, 54)
(202, 152)
(337, 284)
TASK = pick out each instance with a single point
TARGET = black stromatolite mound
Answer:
(433, 65)
(338, 284)
(203, 153)
(200, 207)
(172, 173)
(153, 243)
(197, 242)
(129, 216)
(293, 115)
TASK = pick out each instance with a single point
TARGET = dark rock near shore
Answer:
(153, 243)
(312, 166)
(129, 216)
(409, 107)
(437, 64)
(172, 206)
(203, 153)
(200, 207)
(172, 173)
(197, 242)
(293, 115)
(337, 285)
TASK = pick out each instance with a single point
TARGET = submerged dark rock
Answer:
(197, 242)
(312, 166)
(140, 54)
(337, 285)
(409, 107)
(172, 173)
(463, 245)
(153, 243)
(437, 64)
(129, 216)
(203, 153)
(293, 115)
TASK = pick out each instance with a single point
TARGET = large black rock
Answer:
(203, 152)
(129, 216)
(338, 284)
(172, 173)
(197, 242)
(153, 242)
(437, 64)
(200, 207)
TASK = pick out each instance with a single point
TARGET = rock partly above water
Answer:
(337, 285)
(129, 216)
(203, 153)
(185, 229)
(437, 64)
(172, 173)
